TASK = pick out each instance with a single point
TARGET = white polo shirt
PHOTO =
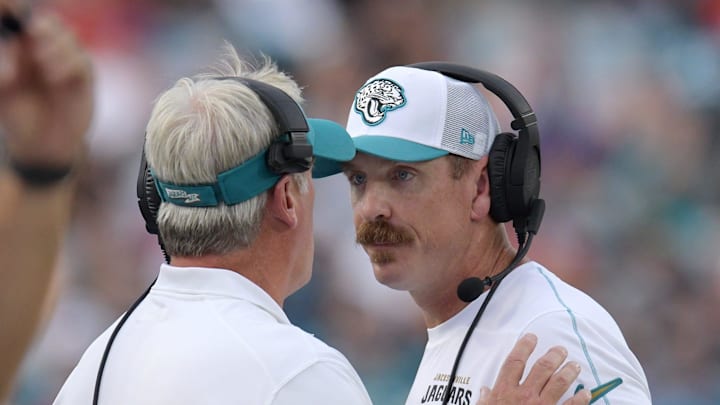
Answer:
(211, 336)
(530, 299)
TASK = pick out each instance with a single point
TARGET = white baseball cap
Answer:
(411, 115)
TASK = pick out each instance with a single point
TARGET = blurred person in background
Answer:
(46, 105)
(430, 190)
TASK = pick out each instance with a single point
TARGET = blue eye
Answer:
(403, 175)
(356, 179)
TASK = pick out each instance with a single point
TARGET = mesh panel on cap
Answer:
(470, 124)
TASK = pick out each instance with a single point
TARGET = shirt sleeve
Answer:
(324, 382)
(600, 349)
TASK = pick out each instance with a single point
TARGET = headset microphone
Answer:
(471, 288)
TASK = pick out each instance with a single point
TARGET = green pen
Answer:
(601, 390)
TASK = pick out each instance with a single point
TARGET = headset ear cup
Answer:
(499, 160)
(531, 183)
(280, 156)
(148, 198)
(275, 159)
(153, 201)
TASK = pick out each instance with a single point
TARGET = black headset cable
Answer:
(494, 283)
(125, 317)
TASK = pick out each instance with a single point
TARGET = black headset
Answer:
(290, 152)
(514, 160)
(514, 175)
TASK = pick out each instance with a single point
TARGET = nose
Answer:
(373, 204)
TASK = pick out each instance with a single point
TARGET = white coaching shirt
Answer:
(210, 336)
(530, 299)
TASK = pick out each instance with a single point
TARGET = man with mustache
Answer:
(229, 161)
(428, 195)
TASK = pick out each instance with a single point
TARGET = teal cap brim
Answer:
(332, 146)
(399, 150)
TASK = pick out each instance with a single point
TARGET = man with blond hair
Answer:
(229, 156)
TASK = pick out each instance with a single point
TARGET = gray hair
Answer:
(201, 127)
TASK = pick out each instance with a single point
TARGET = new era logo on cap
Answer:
(409, 114)
(466, 137)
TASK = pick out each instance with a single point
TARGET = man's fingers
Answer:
(543, 384)
(545, 367)
(61, 59)
(514, 365)
(46, 39)
(485, 396)
(9, 47)
(13, 7)
(560, 382)
(49, 54)
(582, 397)
(73, 67)
(8, 63)
(13, 19)
(44, 28)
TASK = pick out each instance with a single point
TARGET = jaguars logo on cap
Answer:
(378, 97)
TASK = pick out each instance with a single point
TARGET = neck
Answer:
(269, 272)
(439, 305)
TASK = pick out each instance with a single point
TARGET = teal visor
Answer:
(331, 146)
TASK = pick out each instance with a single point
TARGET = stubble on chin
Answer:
(382, 258)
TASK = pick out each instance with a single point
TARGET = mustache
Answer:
(380, 232)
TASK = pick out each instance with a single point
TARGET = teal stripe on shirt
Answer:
(575, 328)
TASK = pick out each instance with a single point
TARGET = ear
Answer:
(282, 203)
(481, 202)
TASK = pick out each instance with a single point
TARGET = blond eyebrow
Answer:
(347, 166)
